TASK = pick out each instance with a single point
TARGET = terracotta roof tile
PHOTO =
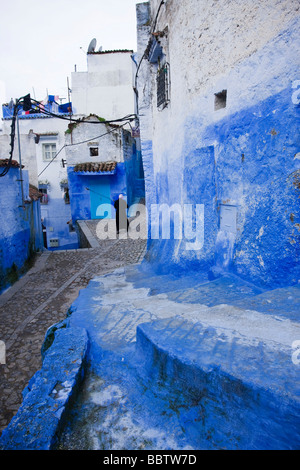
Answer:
(14, 163)
(95, 167)
(114, 51)
(34, 193)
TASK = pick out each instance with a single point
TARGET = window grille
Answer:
(163, 85)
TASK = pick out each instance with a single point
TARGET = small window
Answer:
(49, 151)
(94, 151)
(220, 100)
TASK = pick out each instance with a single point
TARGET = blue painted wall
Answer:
(262, 177)
(134, 169)
(267, 249)
(20, 234)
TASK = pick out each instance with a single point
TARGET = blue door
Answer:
(100, 195)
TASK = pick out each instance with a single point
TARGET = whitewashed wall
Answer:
(106, 88)
(56, 213)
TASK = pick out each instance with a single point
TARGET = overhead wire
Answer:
(29, 101)
(128, 118)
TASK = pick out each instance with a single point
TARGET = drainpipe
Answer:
(20, 162)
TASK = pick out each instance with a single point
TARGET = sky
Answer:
(41, 41)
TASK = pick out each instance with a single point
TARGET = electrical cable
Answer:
(28, 101)
(128, 117)
(52, 160)
(156, 17)
(77, 143)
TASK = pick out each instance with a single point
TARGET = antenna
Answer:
(92, 46)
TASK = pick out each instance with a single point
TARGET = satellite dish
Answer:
(100, 49)
(92, 46)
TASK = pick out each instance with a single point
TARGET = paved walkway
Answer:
(42, 298)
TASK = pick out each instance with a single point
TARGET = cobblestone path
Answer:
(41, 298)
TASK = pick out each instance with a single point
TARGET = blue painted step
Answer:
(238, 394)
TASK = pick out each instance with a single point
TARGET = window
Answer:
(163, 85)
(220, 100)
(94, 151)
(49, 151)
(44, 199)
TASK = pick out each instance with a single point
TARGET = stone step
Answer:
(240, 392)
(229, 289)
